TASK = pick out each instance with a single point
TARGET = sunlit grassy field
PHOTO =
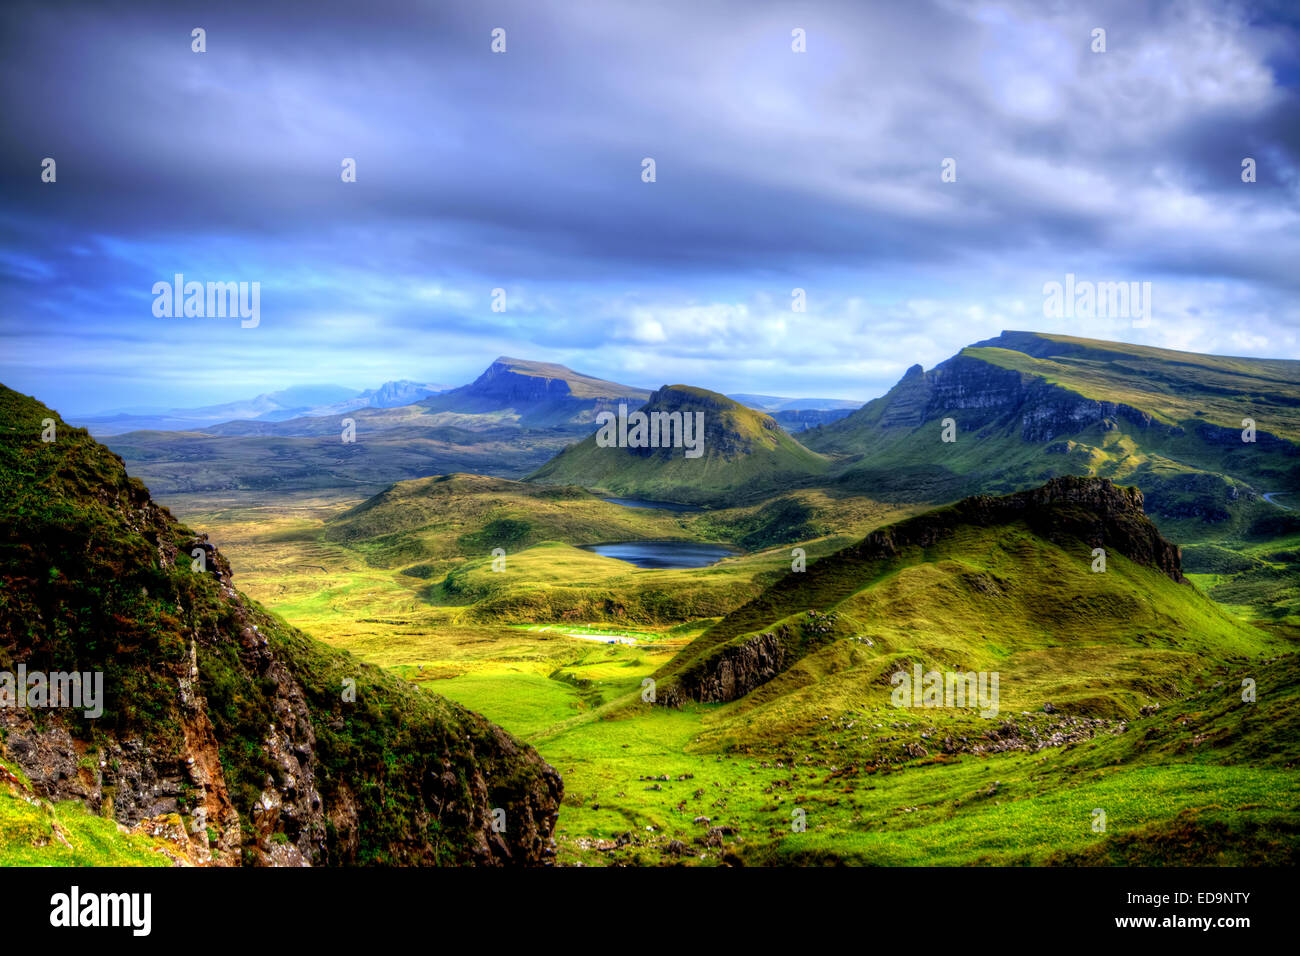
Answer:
(819, 767)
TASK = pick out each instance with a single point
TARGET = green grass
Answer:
(1096, 646)
(34, 832)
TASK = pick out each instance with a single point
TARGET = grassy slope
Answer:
(427, 544)
(1206, 780)
(82, 588)
(978, 595)
(35, 832)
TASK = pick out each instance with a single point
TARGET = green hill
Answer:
(1136, 723)
(745, 455)
(255, 742)
(995, 584)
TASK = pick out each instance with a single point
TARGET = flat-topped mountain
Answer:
(735, 451)
(538, 394)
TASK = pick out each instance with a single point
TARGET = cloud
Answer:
(522, 171)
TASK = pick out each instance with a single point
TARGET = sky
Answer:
(522, 170)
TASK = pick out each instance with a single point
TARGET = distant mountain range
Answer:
(1025, 407)
(517, 391)
(294, 402)
(775, 403)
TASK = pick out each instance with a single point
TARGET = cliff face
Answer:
(1028, 407)
(980, 395)
(733, 673)
(269, 748)
(510, 387)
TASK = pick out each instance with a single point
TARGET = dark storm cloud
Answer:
(522, 171)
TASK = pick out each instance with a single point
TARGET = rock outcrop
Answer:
(733, 673)
(1092, 510)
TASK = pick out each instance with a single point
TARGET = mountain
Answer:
(776, 403)
(536, 394)
(508, 422)
(1028, 406)
(239, 735)
(389, 395)
(801, 419)
(743, 453)
(271, 406)
(295, 402)
(1007, 584)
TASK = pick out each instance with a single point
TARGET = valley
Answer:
(712, 783)
(703, 649)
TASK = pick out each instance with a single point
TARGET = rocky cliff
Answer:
(980, 396)
(271, 748)
(1028, 407)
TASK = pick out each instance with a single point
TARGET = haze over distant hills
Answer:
(293, 402)
(777, 403)
(524, 391)
(798, 414)
(508, 422)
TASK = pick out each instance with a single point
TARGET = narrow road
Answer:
(1273, 494)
